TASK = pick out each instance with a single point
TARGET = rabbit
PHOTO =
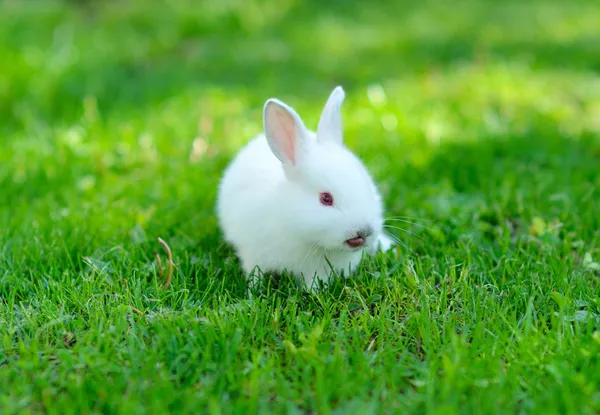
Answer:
(300, 201)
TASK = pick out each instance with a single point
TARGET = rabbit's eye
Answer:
(326, 199)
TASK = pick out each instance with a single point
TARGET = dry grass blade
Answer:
(169, 264)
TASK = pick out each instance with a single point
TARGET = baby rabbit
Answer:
(300, 201)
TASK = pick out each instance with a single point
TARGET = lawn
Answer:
(480, 121)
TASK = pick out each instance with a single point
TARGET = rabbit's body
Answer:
(271, 204)
(254, 238)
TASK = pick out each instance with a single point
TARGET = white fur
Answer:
(268, 201)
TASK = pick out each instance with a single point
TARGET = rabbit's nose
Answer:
(360, 238)
(365, 232)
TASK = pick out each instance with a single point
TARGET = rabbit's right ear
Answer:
(286, 134)
(330, 123)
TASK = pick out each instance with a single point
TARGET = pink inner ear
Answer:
(288, 133)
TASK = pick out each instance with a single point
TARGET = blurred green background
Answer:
(479, 119)
(101, 100)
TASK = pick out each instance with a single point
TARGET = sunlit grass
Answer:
(480, 120)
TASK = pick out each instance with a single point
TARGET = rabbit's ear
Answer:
(330, 124)
(286, 134)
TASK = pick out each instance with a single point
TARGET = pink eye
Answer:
(326, 199)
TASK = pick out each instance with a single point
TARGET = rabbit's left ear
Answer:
(330, 124)
(286, 134)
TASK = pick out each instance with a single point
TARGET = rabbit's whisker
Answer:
(404, 230)
(409, 222)
(397, 240)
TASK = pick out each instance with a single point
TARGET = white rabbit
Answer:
(299, 201)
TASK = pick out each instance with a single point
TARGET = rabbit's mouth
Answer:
(360, 239)
(355, 242)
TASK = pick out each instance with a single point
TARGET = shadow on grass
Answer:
(306, 49)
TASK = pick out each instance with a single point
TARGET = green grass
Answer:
(480, 120)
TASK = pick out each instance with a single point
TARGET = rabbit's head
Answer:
(328, 199)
